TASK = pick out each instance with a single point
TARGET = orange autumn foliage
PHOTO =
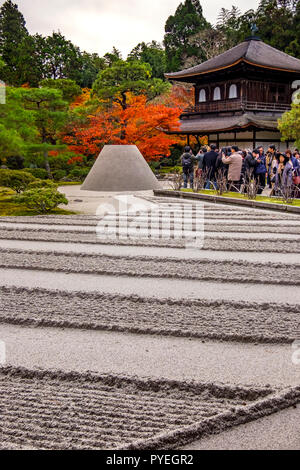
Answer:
(81, 99)
(73, 160)
(142, 124)
(179, 96)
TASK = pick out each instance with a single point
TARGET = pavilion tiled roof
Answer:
(252, 51)
(227, 123)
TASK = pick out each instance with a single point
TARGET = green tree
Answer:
(187, 21)
(123, 77)
(234, 26)
(113, 83)
(112, 57)
(2, 64)
(50, 113)
(70, 90)
(31, 61)
(61, 58)
(11, 143)
(54, 57)
(277, 22)
(16, 180)
(91, 65)
(152, 53)
(12, 32)
(42, 200)
(17, 127)
(289, 125)
(294, 46)
(42, 183)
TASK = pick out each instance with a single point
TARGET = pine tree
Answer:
(152, 53)
(12, 32)
(294, 46)
(198, 7)
(187, 21)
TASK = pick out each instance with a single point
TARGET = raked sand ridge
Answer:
(163, 347)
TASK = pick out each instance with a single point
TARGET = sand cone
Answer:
(120, 168)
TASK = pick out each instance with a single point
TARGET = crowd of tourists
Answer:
(280, 171)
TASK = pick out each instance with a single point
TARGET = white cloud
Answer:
(98, 25)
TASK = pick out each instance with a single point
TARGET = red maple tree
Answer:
(179, 96)
(142, 124)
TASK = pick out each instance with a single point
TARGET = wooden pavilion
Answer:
(239, 95)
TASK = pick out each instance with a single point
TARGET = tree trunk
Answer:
(124, 125)
(47, 166)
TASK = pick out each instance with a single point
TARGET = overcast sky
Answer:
(98, 25)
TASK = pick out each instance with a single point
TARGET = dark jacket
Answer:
(186, 157)
(249, 162)
(209, 163)
(260, 165)
(220, 166)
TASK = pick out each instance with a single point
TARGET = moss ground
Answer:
(295, 202)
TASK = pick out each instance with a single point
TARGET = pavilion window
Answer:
(233, 93)
(217, 93)
(202, 96)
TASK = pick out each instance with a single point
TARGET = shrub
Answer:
(173, 169)
(165, 162)
(43, 200)
(59, 163)
(154, 165)
(16, 180)
(39, 173)
(15, 162)
(62, 161)
(78, 173)
(42, 184)
(59, 174)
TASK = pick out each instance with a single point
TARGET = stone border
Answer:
(228, 200)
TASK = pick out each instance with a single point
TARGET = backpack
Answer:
(187, 164)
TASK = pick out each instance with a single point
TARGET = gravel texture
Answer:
(92, 222)
(231, 321)
(149, 252)
(151, 315)
(262, 434)
(256, 245)
(229, 271)
(57, 410)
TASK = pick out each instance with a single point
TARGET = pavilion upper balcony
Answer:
(235, 105)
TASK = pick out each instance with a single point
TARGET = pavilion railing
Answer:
(235, 105)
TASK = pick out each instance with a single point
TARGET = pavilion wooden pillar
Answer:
(254, 138)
